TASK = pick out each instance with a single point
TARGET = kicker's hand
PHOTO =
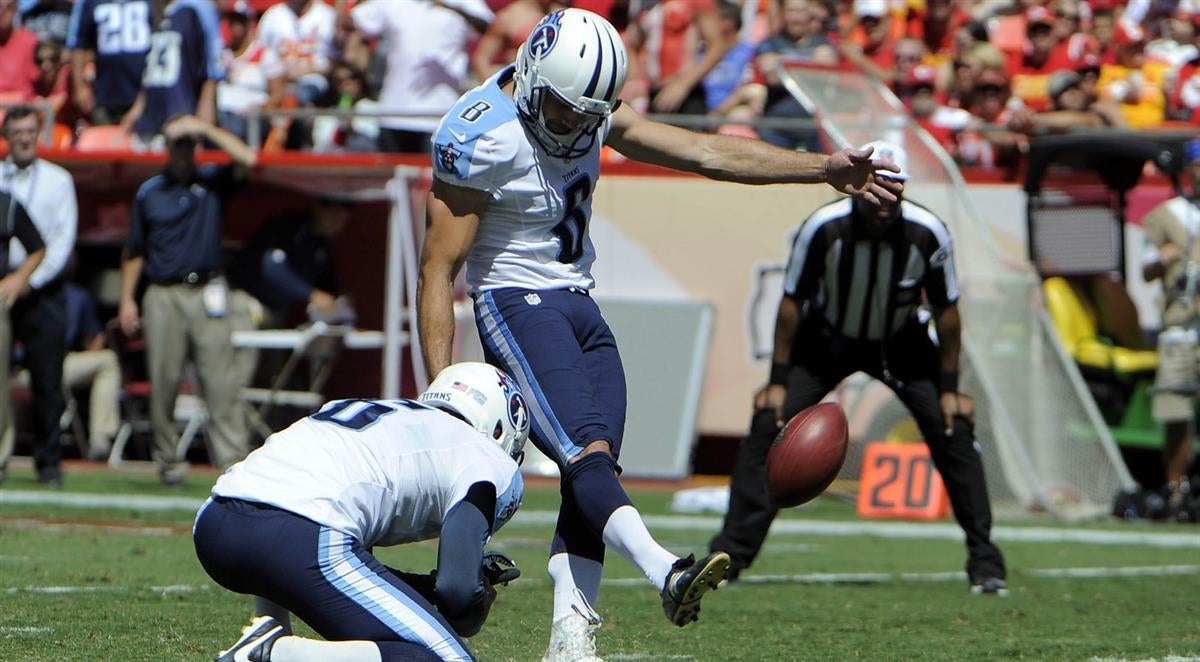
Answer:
(851, 171)
(498, 569)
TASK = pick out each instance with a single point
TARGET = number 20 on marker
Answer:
(898, 481)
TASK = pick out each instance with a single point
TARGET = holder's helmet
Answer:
(487, 399)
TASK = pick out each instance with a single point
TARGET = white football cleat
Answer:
(256, 642)
(573, 637)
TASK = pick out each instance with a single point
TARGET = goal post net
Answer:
(1044, 442)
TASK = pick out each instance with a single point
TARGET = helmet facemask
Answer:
(533, 95)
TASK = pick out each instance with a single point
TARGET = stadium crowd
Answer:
(981, 75)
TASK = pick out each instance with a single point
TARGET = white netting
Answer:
(1045, 445)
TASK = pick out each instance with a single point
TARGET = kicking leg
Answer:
(606, 509)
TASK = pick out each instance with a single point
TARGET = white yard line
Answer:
(647, 656)
(43, 525)
(66, 590)
(809, 578)
(84, 500)
(1168, 659)
(24, 629)
(886, 578)
(911, 530)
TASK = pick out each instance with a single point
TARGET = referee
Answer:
(852, 302)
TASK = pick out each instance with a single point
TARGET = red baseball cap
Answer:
(921, 75)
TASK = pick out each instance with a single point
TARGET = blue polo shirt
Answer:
(83, 323)
(177, 226)
(118, 31)
(185, 52)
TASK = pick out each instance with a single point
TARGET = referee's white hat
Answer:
(887, 151)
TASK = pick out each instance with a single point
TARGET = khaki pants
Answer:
(1178, 368)
(177, 327)
(100, 373)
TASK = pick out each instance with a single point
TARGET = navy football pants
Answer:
(323, 576)
(558, 347)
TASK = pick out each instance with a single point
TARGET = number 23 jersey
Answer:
(534, 233)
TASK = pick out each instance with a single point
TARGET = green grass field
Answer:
(122, 583)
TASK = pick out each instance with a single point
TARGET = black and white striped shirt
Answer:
(867, 288)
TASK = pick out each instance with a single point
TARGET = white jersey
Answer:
(384, 472)
(534, 233)
(428, 61)
(306, 38)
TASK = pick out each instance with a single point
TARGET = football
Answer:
(807, 455)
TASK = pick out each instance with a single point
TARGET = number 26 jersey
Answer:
(534, 233)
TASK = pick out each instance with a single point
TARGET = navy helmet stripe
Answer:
(591, 88)
(612, 68)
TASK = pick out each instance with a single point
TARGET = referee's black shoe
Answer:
(989, 586)
(50, 476)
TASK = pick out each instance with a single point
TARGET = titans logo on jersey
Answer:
(534, 234)
(447, 156)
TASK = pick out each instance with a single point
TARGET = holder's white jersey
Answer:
(385, 472)
(534, 233)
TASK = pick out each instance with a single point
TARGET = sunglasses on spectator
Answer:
(989, 89)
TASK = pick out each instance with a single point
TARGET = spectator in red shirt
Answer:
(1031, 68)
(936, 24)
(909, 54)
(989, 141)
(680, 41)
(51, 86)
(919, 94)
(874, 53)
(18, 69)
(1103, 29)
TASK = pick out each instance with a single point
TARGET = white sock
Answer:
(298, 649)
(570, 572)
(626, 532)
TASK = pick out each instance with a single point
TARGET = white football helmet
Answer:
(487, 399)
(579, 58)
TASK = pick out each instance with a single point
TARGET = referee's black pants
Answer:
(822, 359)
(39, 322)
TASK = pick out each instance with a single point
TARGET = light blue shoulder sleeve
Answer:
(474, 144)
